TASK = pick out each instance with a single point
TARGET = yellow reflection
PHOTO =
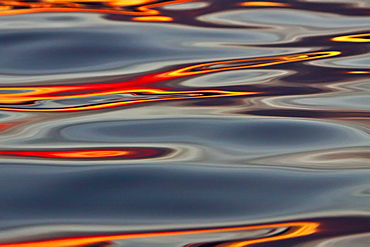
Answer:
(29, 95)
(140, 7)
(90, 153)
(171, 96)
(264, 4)
(33, 93)
(365, 37)
(250, 63)
(128, 2)
(152, 18)
(2, 8)
(294, 232)
(295, 229)
(358, 72)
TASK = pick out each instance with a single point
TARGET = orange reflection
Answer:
(136, 7)
(250, 63)
(365, 37)
(3, 8)
(141, 89)
(295, 229)
(170, 96)
(264, 4)
(122, 153)
(152, 18)
(128, 2)
(358, 72)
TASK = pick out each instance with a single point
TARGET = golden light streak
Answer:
(264, 4)
(358, 72)
(292, 233)
(365, 37)
(297, 229)
(3, 8)
(142, 86)
(122, 153)
(252, 63)
(128, 2)
(142, 7)
(90, 154)
(152, 18)
(216, 93)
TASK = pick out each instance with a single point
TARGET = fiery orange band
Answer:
(144, 85)
(142, 7)
(296, 229)
(122, 153)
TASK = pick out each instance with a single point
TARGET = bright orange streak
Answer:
(128, 2)
(293, 233)
(90, 154)
(124, 153)
(218, 93)
(152, 18)
(251, 63)
(60, 9)
(3, 8)
(297, 229)
(365, 37)
(358, 72)
(143, 7)
(264, 4)
(142, 85)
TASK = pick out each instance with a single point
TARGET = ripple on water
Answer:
(250, 134)
(167, 123)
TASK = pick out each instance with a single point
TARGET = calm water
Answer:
(180, 123)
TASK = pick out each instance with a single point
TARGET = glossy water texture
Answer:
(184, 123)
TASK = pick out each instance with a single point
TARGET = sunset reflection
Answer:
(294, 229)
(131, 7)
(116, 153)
(184, 123)
(152, 18)
(264, 4)
(365, 37)
(250, 63)
(141, 89)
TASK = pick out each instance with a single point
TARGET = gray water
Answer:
(217, 123)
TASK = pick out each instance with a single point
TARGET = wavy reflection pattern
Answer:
(114, 153)
(193, 123)
(291, 230)
(136, 89)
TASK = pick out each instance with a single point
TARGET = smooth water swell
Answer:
(184, 123)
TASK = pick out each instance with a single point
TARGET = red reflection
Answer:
(250, 63)
(295, 229)
(108, 153)
(142, 88)
(125, 7)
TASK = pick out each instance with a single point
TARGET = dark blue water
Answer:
(180, 123)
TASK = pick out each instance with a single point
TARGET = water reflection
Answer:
(115, 153)
(268, 232)
(186, 123)
(140, 87)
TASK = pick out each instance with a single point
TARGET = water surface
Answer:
(184, 123)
